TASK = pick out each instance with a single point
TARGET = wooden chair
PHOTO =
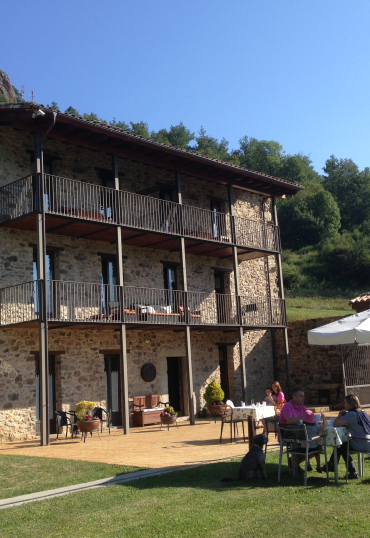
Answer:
(227, 418)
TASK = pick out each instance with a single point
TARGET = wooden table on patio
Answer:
(334, 437)
(251, 413)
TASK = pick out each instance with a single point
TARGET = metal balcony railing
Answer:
(16, 199)
(76, 199)
(257, 234)
(262, 311)
(76, 302)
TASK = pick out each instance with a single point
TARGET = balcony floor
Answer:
(96, 231)
(53, 325)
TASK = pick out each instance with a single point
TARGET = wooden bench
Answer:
(146, 410)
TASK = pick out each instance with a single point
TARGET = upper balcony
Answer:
(90, 304)
(83, 210)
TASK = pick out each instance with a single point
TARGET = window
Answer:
(50, 277)
(106, 198)
(170, 284)
(216, 208)
(109, 281)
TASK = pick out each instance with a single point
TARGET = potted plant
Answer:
(168, 415)
(214, 396)
(86, 422)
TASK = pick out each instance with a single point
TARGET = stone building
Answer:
(117, 252)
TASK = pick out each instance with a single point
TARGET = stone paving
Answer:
(149, 446)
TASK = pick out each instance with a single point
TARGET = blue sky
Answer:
(294, 71)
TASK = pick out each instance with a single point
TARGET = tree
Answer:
(260, 155)
(211, 147)
(73, 111)
(140, 128)
(308, 217)
(350, 188)
(178, 136)
(121, 124)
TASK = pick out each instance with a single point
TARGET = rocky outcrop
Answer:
(6, 88)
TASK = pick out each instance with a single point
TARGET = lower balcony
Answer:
(100, 304)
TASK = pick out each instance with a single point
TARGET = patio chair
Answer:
(227, 418)
(63, 418)
(103, 416)
(274, 421)
(360, 454)
(292, 435)
(278, 407)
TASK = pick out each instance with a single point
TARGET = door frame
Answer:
(116, 415)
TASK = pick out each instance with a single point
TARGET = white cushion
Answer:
(230, 403)
(163, 309)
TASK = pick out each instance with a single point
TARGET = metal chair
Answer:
(360, 454)
(227, 418)
(103, 416)
(292, 435)
(63, 419)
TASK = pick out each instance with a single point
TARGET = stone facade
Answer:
(79, 352)
(310, 366)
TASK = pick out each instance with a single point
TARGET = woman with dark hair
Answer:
(275, 395)
(358, 423)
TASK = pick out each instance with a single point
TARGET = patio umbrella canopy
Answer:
(350, 330)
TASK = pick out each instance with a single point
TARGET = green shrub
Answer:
(214, 393)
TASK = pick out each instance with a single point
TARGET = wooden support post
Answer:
(282, 296)
(42, 295)
(186, 312)
(237, 297)
(122, 327)
(124, 380)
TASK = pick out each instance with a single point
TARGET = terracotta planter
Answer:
(214, 410)
(168, 419)
(88, 425)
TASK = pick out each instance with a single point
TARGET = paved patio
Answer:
(144, 447)
(149, 446)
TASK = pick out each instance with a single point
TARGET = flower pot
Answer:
(88, 425)
(168, 419)
(214, 410)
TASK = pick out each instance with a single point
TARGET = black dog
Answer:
(253, 462)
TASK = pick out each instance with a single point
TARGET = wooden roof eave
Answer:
(128, 146)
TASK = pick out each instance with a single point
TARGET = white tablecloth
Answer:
(333, 436)
(264, 411)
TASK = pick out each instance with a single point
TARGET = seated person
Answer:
(275, 395)
(358, 424)
(270, 398)
(293, 411)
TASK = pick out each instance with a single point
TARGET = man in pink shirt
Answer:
(293, 411)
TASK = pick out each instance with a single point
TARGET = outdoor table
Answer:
(251, 413)
(334, 437)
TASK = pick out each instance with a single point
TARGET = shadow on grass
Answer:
(209, 477)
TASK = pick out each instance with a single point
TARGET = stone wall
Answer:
(79, 363)
(80, 368)
(310, 365)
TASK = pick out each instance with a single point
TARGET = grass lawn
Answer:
(196, 503)
(316, 307)
(23, 474)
